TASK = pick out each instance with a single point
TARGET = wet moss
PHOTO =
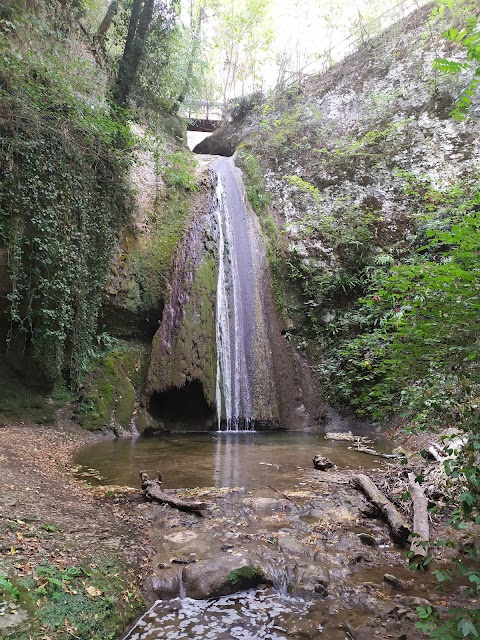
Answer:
(113, 388)
(246, 576)
(195, 354)
(20, 402)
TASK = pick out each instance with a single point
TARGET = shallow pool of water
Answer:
(246, 459)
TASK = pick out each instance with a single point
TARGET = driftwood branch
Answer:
(421, 529)
(436, 454)
(372, 452)
(153, 491)
(399, 528)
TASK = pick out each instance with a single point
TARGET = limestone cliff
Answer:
(180, 390)
(345, 167)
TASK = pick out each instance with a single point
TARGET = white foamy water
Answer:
(243, 616)
(233, 392)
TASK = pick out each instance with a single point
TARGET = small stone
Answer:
(322, 464)
(393, 581)
(264, 504)
(368, 539)
(321, 590)
(413, 602)
(289, 544)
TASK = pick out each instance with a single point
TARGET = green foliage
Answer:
(93, 601)
(62, 201)
(179, 170)
(422, 343)
(255, 183)
(460, 623)
(7, 589)
(285, 128)
(469, 39)
(363, 145)
(304, 186)
(327, 287)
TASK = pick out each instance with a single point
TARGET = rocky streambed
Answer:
(292, 553)
(311, 560)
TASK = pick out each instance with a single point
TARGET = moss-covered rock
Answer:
(183, 356)
(111, 391)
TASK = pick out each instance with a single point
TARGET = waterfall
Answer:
(245, 394)
(233, 393)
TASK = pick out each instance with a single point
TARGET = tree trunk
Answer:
(107, 21)
(421, 529)
(400, 529)
(153, 491)
(140, 19)
(191, 61)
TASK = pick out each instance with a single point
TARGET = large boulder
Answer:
(222, 577)
(221, 143)
(167, 582)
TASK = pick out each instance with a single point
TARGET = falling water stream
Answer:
(245, 392)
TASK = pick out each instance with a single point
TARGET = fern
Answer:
(449, 66)
(7, 588)
(468, 38)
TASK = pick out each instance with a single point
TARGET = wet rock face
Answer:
(180, 389)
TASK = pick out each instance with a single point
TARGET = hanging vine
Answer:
(63, 199)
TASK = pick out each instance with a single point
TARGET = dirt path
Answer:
(53, 527)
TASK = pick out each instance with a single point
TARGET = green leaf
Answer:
(466, 626)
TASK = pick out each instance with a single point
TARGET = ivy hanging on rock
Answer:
(63, 199)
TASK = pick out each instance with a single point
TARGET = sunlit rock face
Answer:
(357, 131)
(368, 144)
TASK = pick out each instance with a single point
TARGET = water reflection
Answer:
(247, 459)
(232, 460)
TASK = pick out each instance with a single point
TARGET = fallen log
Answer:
(399, 528)
(153, 492)
(372, 452)
(421, 528)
